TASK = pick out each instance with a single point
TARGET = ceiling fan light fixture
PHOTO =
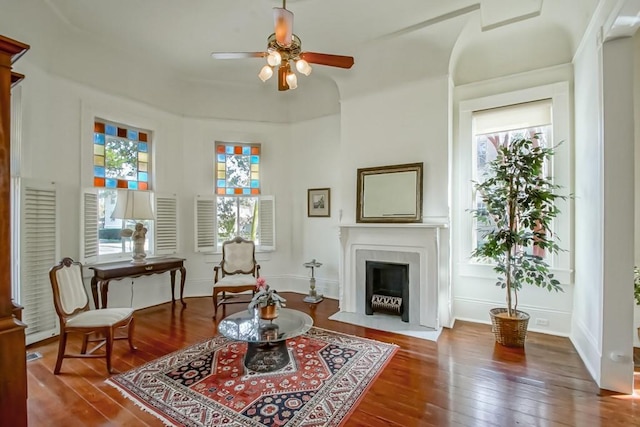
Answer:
(274, 58)
(303, 67)
(283, 20)
(265, 73)
(292, 80)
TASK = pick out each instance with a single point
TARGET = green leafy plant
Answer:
(518, 208)
(265, 295)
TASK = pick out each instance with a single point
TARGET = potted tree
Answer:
(518, 207)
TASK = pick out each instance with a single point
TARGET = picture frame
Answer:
(319, 202)
(390, 194)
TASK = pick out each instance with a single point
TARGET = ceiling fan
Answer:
(284, 49)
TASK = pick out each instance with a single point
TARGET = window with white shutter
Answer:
(89, 229)
(205, 223)
(207, 217)
(38, 253)
(267, 224)
(166, 230)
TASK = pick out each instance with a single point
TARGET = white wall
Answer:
(602, 317)
(57, 121)
(404, 124)
(315, 148)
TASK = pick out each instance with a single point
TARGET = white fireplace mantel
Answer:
(390, 241)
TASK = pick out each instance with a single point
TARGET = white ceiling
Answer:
(182, 34)
(166, 44)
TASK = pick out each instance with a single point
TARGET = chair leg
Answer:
(62, 343)
(85, 342)
(130, 335)
(109, 346)
(215, 303)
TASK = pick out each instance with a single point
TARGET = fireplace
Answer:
(387, 288)
(416, 246)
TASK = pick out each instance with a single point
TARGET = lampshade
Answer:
(266, 73)
(303, 67)
(133, 204)
(274, 58)
(292, 80)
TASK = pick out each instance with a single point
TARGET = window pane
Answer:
(121, 160)
(486, 151)
(120, 153)
(237, 169)
(236, 177)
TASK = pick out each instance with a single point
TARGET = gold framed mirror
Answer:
(390, 193)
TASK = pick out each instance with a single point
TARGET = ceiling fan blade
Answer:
(283, 23)
(237, 55)
(327, 59)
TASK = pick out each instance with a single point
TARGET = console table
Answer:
(103, 274)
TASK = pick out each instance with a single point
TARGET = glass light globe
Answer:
(303, 67)
(292, 80)
(274, 58)
(265, 73)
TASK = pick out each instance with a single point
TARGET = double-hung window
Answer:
(489, 122)
(498, 127)
(237, 169)
(121, 161)
(237, 207)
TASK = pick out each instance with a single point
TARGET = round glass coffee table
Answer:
(266, 339)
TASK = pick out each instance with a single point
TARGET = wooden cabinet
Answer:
(13, 361)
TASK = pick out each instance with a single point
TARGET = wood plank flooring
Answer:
(464, 379)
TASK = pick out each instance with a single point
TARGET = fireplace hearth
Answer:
(387, 288)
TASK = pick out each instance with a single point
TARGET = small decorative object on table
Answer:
(266, 300)
(313, 296)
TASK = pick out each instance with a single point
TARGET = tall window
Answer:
(121, 160)
(237, 169)
(498, 127)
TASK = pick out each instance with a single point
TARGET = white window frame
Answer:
(206, 227)
(561, 173)
(88, 115)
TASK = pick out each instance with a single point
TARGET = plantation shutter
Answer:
(166, 224)
(38, 253)
(267, 223)
(89, 230)
(205, 223)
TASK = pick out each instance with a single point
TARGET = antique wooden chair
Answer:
(237, 272)
(96, 326)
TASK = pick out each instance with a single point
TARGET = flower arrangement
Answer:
(265, 296)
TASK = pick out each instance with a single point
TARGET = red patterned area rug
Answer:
(207, 384)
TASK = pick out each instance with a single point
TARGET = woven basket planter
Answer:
(509, 331)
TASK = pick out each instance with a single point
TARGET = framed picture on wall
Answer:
(319, 202)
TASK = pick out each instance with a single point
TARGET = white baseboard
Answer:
(587, 347)
(542, 320)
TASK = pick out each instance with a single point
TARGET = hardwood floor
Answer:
(464, 379)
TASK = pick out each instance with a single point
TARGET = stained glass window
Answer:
(121, 160)
(120, 156)
(237, 169)
(237, 185)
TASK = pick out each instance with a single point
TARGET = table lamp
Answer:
(135, 205)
